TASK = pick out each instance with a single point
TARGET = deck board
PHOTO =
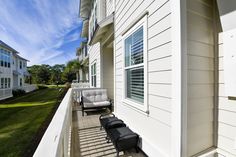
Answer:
(89, 141)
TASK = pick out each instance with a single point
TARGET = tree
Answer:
(56, 73)
(74, 66)
(40, 74)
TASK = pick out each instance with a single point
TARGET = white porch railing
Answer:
(5, 93)
(27, 87)
(56, 140)
(80, 85)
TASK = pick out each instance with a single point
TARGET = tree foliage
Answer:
(56, 74)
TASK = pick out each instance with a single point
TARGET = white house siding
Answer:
(227, 113)
(154, 128)
(107, 68)
(95, 56)
(101, 10)
(109, 7)
(200, 52)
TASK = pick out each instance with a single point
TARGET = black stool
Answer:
(123, 139)
(109, 122)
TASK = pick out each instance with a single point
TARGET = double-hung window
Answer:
(2, 83)
(93, 75)
(9, 82)
(21, 82)
(135, 58)
(20, 64)
(5, 82)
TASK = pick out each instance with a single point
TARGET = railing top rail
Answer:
(49, 144)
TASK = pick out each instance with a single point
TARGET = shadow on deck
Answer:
(89, 141)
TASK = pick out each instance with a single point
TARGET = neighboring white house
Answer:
(163, 63)
(82, 54)
(98, 28)
(13, 71)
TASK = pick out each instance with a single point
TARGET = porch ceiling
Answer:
(84, 32)
(102, 28)
(85, 6)
(227, 11)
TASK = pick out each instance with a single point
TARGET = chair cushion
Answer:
(111, 122)
(96, 104)
(122, 133)
(94, 95)
(104, 121)
(123, 138)
(114, 124)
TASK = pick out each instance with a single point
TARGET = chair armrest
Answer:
(110, 100)
(106, 115)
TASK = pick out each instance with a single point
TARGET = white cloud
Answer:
(37, 28)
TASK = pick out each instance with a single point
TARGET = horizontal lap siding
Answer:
(95, 56)
(200, 51)
(227, 111)
(155, 128)
(107, 68)
(109, 7)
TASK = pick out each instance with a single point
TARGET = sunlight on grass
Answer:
(21, 118)
(26, 104)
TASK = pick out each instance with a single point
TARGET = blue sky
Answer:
(43, 31)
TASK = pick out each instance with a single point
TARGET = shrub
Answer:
(18, 92)
(67, 85)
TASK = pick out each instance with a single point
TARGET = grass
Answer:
(23, 120)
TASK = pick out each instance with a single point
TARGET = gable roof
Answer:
(22, 58)
(7, 46)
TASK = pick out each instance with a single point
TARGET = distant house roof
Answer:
(7, 46)
(21, 58)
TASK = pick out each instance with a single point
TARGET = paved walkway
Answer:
(89, 141)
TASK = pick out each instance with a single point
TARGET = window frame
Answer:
(9, 82)
(20, 64)
(140, 106)
(21, 82)
(2, 83)
(94, 75)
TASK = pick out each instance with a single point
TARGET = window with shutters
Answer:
(135, 56)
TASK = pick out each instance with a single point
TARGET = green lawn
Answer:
(22, 119)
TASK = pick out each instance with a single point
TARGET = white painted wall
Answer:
(101, 10)
(154, 128)
(200, 52)
(227, 112)
(109, 7)
(107, 68)
(95, 56)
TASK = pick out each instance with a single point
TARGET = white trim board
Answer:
(179, 81)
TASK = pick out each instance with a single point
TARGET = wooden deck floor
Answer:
(89, 141)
